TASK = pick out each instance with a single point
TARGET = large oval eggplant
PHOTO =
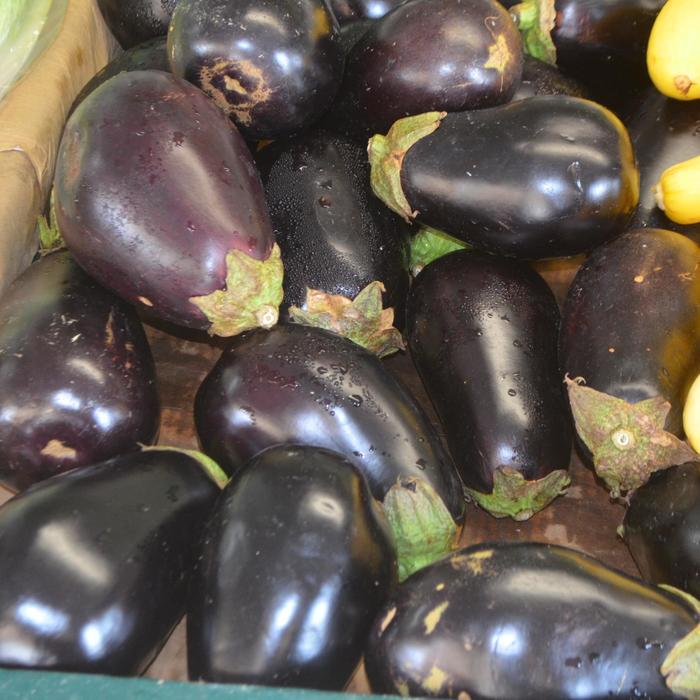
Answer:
(273, 66)
(335, 236)
(134, 21)
(309, 386)
(527, 621)
(158, 199)
(662, 528)
(483, 334)
(544, 177)
(96, 563)
(415, 59)
(285, 594)
(630, 320)
(77, 379)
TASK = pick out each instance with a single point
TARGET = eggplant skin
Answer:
(540, 78)
(351, 11)
(77, 379)
(96, 563)
(130, 209)
(544, 177)
(304, 385)
(134, 21)
(415, 60)
(285, 594)
(483, 334)
(334, 234)
(629, 325)
(274, 66)
(662, 528)
(525, 621)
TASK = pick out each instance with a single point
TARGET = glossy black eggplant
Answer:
(285, 594)
(134, 21)
(483, 334)
(309, 386)
(544, 177)
(662, 528)
(526, 621)
(96, 562)
(540, 78)
(415, 59)
(348, 11)
(273, 66)
(631, 319)
(663, 132)
(77, 380)
(334, 234)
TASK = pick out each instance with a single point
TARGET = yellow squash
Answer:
(691, 416)
(678, 191)
(673, 53)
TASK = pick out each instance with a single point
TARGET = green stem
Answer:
(536, 19)
(211, 468)
(430, 244)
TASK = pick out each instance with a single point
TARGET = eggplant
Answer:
(285, 595)
(335, 236)
(135, 21)
(530, 621)
(483, 335)
(662, 528)
(415, 59)
(544, 177)
(96, 562)
(351, 11)
(158, 199)
(306, 385)
(664, 132)
(77, 379)
(273, 66)
(540, 78)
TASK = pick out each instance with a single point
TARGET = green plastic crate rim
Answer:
(52, 685)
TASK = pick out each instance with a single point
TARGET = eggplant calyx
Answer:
(362, 319)
(210, 467)
(516, 497)
(536, 19)
(421, 524)
(386, 154)
(627, 440)
(430, 244)
(251, 298)
(681, 668)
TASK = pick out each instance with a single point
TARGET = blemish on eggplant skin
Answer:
(639, 279)
(433, 617)
(387, 620)
(473, 562)
(402, 688)
(435, 680)
(440, 586)
(464, 695)
(145, 300)
(59, 450)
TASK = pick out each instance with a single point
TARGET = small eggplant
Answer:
(416, 59)
(135, 21)
(532, 622)
(285, 594)
(629, 329)
(540, 78)
(158, 199)
(77, 380)
(96, 562)
(544, 177)
(274, 66)
(483, 334)
(662, 528)
(335, 236)
(309, 386)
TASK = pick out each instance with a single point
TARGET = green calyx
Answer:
(386, 154)
(362, 319)
(211, 468)
(430, 244)
(628, 441)
(50, 238)
(251, 298)
(513, 496)
(423, 528)
(681, 668)
(535, 19)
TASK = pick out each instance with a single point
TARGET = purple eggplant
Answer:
(77, 380)
(285, 594)
(305, 385)
(483, 334)
(273, 66)
(416, 59)
(134, 21)
(96, 562)
(540, 78)
(158, 199)
(350, 11)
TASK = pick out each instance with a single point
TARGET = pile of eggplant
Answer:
(321, 184)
